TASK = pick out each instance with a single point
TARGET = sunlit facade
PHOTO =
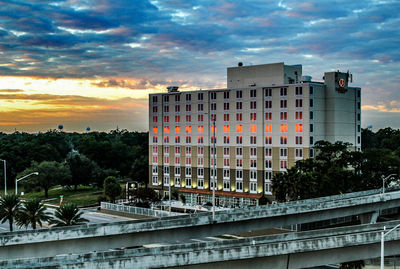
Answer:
(268, 118)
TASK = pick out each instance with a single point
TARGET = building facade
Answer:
(268, 118)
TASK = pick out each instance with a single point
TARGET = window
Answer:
(177, 98)
(177, 118)
(283, 140)
(200, 96)
(268, 164)
(268, 104)
(166, 150)
(166, 109)
(358, 93)
(268, 116)
(177, 181)
(311, 103)
(177, 171)
(299, 115)
(239, 117)
(188, 182)
(200, 139)
(200, 151)
(200, 172)
(155, 129)
(239, 94)
(226, 106)
(268, 175)
(268, 140)
(253, 140)
(299, 153)
(239, 140)
(283, 164)
(253, 152)
(299, 128)
(226, 117)
(166, 181)
(283, 115)
(268, 128)
(226, 95)
(358, 105)
(213, 106)
(226, 128)
(311, 115)
(358, 116)
(188, 151)
(239, 151)
(239, 174)
(155, 99)
(154, 109)
(213, 139)
(166, 170)
(283, 152)
(239, 128)
(166, 98)
(239, 105)
(268, 152)
(253, 187)
(239, 186)
(177, 150)
(155, 139)
(188, 161)
(155, 159)
(268, 92)
(200, 183)
(200, 129)
(166, 118)
(299, 140)
(166, 139)
(253, 128)
(154, 119)
(226, 151)
(177, 108)
(299, 102)
(155, 150)
(155, 180)
(213, 95)
(200, 107)
(311, 140)
(226, 173)
(311, 127)
(188, 118)
(226, 185)
(311, 90)
(253, 93)
(200, 161)
(188, 97)
(239, 163)
(267, 189)
(154, 169)
(283, 103)
(188, 129)
(283, 128)
(200, 118)
(188, 139)
(253, 116)
(253, 105)
(358, 128)
(226, 139)
(283, 91)
(177, 139)
(253, 174)
(299, 90)
(188, 171)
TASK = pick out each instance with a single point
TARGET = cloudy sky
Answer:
(93, 62)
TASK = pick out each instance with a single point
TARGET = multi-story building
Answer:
(268, 118)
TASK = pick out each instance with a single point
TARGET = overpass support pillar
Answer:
(369, 218)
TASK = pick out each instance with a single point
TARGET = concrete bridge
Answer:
(98, 237)
(291, 250)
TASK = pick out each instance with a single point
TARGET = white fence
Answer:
(137, 210)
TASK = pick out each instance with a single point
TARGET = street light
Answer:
(384, 180)
(383, 234)
(18, 179)
(5, 177)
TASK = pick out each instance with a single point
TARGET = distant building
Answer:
(269, 117)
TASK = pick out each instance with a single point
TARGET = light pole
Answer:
(18, 179)
(5, 176)
(383, 234)
(384, 180)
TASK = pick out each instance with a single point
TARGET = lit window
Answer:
(253, 128)
(299, 128)
(283, 128)
(155, 129)
(177, 129)
(226, 139)
(200, 129)
(213, 128)
(239, 128)
(268, 128)
(166, 139)
(188, 129)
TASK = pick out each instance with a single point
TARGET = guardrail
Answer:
(137, 210)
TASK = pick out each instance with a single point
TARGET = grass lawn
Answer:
(83, 196)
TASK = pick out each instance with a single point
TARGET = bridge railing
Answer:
(137, 210)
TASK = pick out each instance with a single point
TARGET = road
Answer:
(88, 213)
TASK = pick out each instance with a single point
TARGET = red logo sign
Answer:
(341, 82)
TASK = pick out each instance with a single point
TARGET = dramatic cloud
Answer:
(150, 44)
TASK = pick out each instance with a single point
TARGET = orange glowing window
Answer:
(299, 128)
(166, 129)
(226, 128)
(253, 128)
(239, 128)
(268, 128)
(200, 129)
(283, 128)
(177, 129)
(155, 129)
(188, 129)
(213, 128)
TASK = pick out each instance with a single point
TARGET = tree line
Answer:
(336, 169)
(72, 159)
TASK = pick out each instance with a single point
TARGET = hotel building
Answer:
(267, 118)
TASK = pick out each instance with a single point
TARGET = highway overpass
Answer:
(292, 250)
(98, 237)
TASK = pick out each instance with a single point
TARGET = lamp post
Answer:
(384, 180)
(383, 234)
(18, 179)
(5, 176)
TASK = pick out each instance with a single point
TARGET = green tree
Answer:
(67, 215)
(9, 207)
(81, 169)
(51, 173)
(111, 188)
(32, 212)
(140, 169)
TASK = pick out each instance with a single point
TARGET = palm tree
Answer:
(9, 207)
(67, 215)
(32, 213)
